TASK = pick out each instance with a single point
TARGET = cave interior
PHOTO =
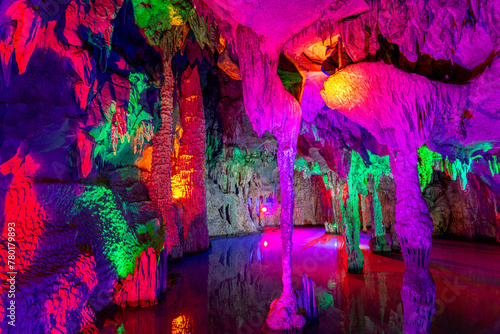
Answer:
(268, 166)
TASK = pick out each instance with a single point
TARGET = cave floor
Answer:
(229, 289)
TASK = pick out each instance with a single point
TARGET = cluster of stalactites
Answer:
(309, 169)
(494, 166)
(357, 184)
(269, 106)
(458, 169)
(240, 170)
(124, 127)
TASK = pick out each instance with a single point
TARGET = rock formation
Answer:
(132, 131)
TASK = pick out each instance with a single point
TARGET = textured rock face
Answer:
(469, 212)
(55, 280)
(474, 211)
(387, 195)
(313, 205)
(228, 214)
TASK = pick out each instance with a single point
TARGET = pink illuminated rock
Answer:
(364, 93)
(139, 288)
(273, 109)
(273, 19)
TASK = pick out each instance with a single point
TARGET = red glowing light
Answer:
(264, 209)
(265, 243)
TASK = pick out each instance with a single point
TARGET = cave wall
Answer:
(79, 108)
(471, 212)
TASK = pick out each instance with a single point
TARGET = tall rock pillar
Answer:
(414, 229)
(189, 182)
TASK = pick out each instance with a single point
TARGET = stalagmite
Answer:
(378, 241)
(307, 299)
(161, 191)
(140, 288)
(190, 180)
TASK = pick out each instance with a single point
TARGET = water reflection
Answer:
(230, 288)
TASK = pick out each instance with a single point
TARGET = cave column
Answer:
(161, 190)
(271, 108)
(283, 315)
(414, 229)
(286, 159)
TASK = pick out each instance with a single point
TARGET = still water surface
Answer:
(230, 288)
